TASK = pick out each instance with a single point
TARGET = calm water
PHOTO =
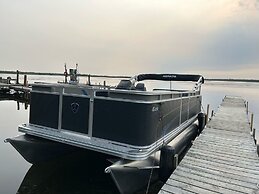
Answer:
(214, 92)
(76, 173)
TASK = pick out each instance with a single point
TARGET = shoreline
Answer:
(117, 76)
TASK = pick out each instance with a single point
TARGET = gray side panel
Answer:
(126, 122)
(170, 114)
(75, 114)
(135, 123)
(184, 112)
(44, 109)
(195, 105)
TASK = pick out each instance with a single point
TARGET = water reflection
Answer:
(79, 172)
(17, 97)
(13, 167)
(214, 92)
(76, 173)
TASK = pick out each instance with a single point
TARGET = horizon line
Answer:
(117, 76)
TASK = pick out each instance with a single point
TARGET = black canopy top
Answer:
(170, 77)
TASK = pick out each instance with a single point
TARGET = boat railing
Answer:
(169, 77)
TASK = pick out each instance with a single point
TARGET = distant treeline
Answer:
(61, 74)
(232, 80)
(115, 76)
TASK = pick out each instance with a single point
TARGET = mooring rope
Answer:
(154, 158)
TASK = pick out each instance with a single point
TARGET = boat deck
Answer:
(223, 159)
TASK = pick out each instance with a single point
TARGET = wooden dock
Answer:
(17, 92)
(223, 159)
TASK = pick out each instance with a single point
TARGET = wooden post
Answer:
(26, 105)
(176, 160)
(104, 83)
(17, 77)
(253, 135)
(65, 73)
(207, 116)
(18, 105)
(8, 80)
(252, 121)
(89, 79)
(246, 107)
(212, 113)
(25, 81)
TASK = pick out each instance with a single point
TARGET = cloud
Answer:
(232, 47)
(249, 5)
(129, 36)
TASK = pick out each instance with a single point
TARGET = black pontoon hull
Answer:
(131, 176)
(128, 176)
(35, 150)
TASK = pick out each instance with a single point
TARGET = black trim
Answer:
(170, 77)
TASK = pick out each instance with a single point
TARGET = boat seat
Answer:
(125, 85)
(141, 87)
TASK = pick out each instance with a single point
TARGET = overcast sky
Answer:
(216, 38)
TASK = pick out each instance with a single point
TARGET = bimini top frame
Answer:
(170, 77)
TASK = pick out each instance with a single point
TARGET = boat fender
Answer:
(166, 162)
(201, 122)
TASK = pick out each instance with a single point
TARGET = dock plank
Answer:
(229, 166)
(172, 189)
(215, 175)
(226, 159)
(218, 184)
(223, 170)
(227, 174)
(196, 183)
(189, 187)
(223, 159)
(238, 149)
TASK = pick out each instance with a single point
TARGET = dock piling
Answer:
(246, 107)
(89, 79)
(212, 113)
(26, 105)
(25, 82)
(18, 105)
(207, 115)
(17, 77)
(252, 121)
(176, 160)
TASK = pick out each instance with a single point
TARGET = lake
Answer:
(75, 173)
